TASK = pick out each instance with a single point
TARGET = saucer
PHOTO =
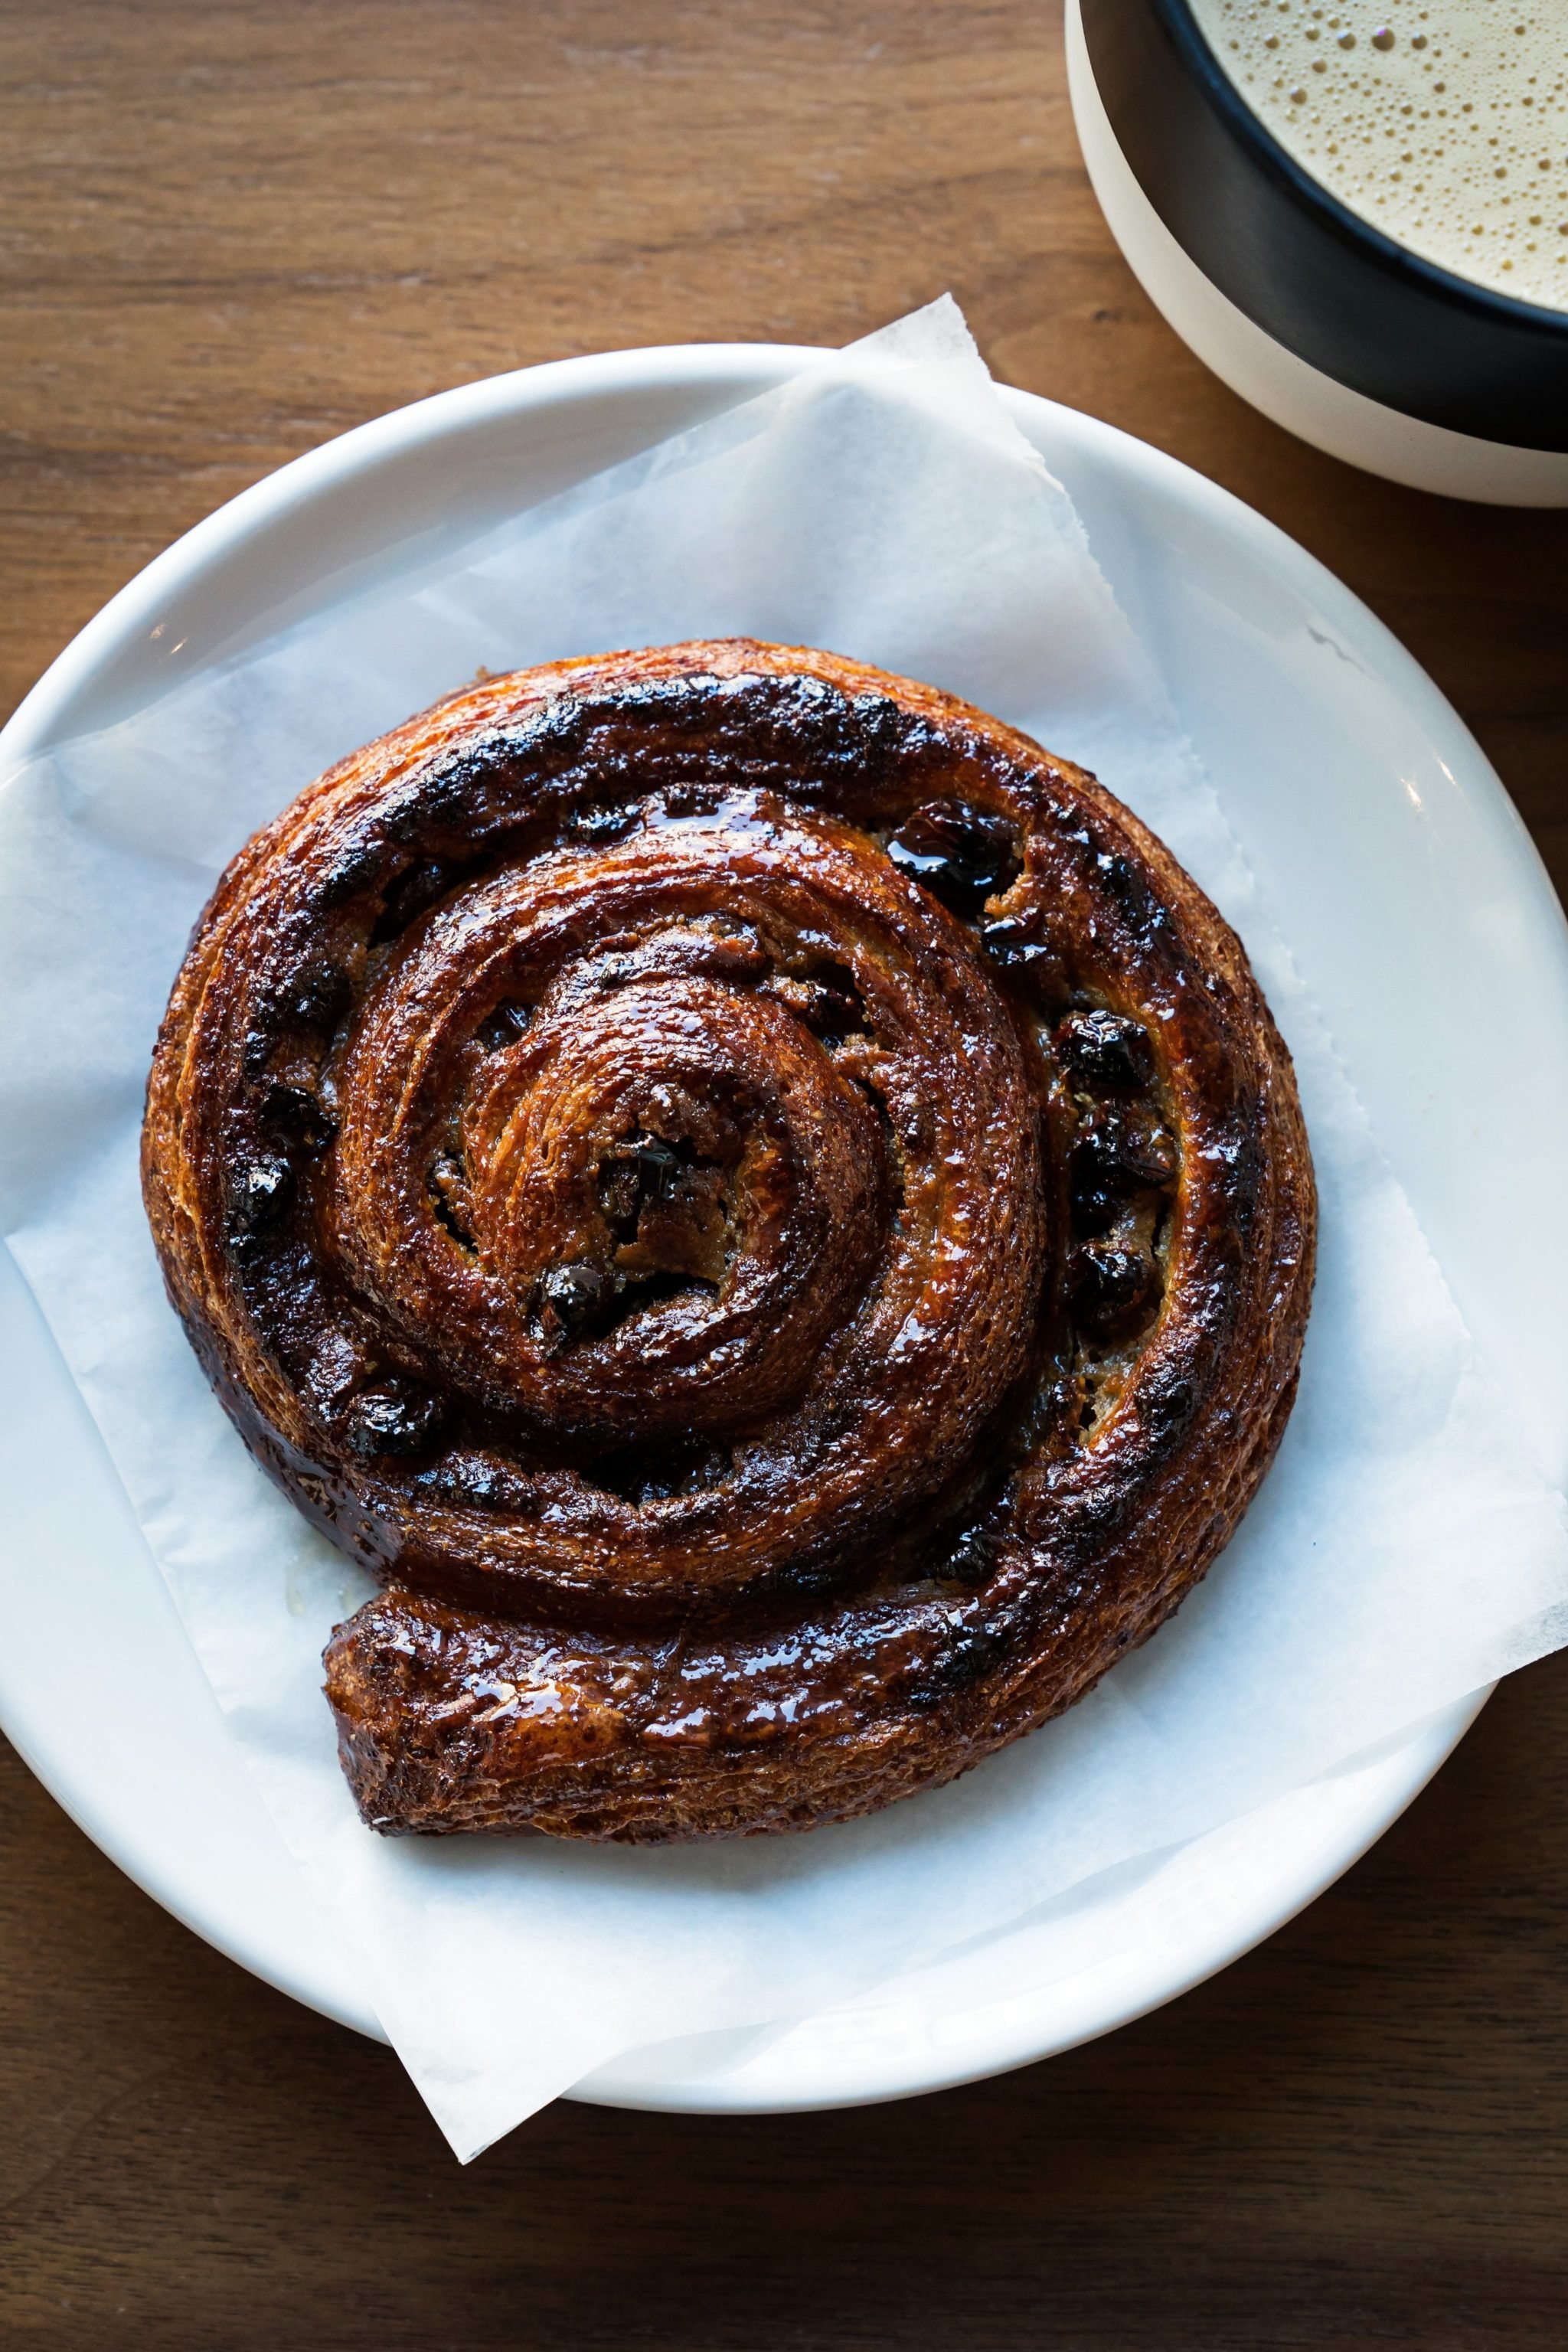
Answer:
(1413, 901)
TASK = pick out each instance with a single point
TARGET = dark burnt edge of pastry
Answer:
(941, 1647)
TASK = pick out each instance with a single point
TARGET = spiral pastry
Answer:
(767, 1210)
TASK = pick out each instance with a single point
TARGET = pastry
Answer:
(765, 1209)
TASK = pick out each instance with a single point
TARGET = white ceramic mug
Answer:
(1343, 336)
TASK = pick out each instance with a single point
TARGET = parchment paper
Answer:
(1403, 1551)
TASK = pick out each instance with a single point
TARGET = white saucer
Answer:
(1417, 909)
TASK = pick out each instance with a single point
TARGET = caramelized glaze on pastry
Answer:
(767, 1210)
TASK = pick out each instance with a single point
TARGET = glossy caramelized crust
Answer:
(767, 1209)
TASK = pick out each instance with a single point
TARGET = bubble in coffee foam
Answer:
(1443, 122)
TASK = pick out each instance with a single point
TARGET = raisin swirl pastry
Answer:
(768, 1210)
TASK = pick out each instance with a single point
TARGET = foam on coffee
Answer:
(1443, 122)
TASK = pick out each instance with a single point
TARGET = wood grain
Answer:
(227, 232)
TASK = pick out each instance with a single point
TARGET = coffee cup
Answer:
(1305, 224)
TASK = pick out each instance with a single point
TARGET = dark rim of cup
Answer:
(1477, 361)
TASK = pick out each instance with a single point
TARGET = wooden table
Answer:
(226, 233)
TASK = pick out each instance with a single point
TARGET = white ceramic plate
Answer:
(1420, 915)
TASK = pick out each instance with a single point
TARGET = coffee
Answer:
(1443, 122)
